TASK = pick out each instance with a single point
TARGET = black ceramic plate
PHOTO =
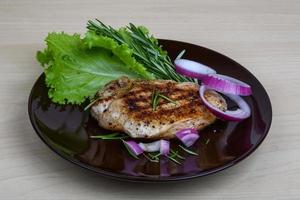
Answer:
(66, 130)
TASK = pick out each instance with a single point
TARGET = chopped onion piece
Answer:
(185, 131)
(188, 136)
(134, 147)
(164, 147)
(150, 147)
(190, 139)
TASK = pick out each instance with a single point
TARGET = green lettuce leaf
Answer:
(76, 68)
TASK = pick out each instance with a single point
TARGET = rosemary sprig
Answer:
(146, 49)
(153, 96)
(188, 151)
(156, 97)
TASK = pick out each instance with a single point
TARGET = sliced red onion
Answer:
(188, 136)
(233, 115)
(192, 69)
(134, 147)
(150, 147)
(226, 84)
(164, 147)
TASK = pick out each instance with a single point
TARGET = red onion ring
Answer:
(236, 115)
(226, 84)
(192, 69)
(188, 136)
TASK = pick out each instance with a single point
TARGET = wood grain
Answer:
(261, 35)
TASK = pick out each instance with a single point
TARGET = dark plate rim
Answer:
(156, 179)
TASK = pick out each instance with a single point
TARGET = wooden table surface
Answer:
(264, 36)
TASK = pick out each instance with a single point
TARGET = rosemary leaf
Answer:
(207, 141)
(90, 104)
(188, 151)
(174, 160)
(112, 136)
(108, 138)
(167, 98)
(155, 101)
(180, 54)
(108, 135)
(152, 97)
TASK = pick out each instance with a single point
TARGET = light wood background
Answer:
(264, 36)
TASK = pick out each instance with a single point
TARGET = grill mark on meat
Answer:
(184, 110)
(143, 105)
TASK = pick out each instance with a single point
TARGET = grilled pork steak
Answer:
(126, 105)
